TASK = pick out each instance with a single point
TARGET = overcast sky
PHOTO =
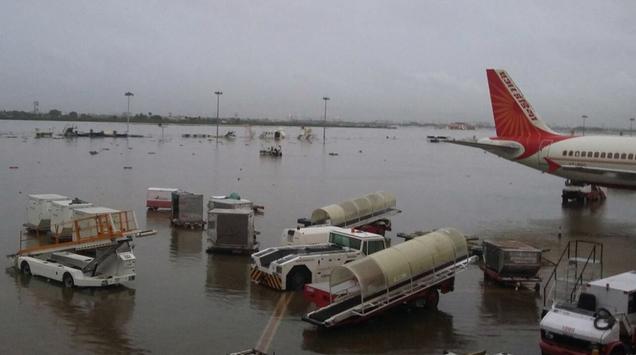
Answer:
(394, 60)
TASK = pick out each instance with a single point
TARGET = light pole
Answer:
(631, 123)
(128, 95)
(584, 117)
(324, 126)
(218, 95)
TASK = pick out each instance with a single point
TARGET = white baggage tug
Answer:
(602, 322)
(291, 267)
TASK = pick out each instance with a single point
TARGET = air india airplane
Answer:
(523, 137)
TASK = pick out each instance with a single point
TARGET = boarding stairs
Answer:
(358, 307)
(580, 262)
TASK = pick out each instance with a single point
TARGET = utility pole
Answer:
(128, 95)
(324, 126)
(218, 95)
(584, 117)
(631, 124)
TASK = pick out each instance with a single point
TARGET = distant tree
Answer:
(72, 115)
(55, 114)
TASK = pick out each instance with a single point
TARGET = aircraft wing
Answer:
(500, 148)
(629, 174)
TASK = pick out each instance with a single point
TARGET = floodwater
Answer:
(186, 301)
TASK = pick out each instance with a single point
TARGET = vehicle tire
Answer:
(67, 280)
(432, 299)
(297, 280)
(25, 268)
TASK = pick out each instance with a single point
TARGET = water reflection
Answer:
(95, 319)
(185, 243)
(227, 275)
(402, 329)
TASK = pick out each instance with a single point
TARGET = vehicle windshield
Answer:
(344, 241)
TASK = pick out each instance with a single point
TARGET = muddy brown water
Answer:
(186, 301)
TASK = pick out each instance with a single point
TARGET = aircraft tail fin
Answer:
(513, 114)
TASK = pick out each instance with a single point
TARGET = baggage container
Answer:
(231, 231)
(229, 203)
(39, 211)
(511, 258)
(187, 209)
(62, 212)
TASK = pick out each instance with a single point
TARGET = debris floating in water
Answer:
(13, 167)
(92, 152)
(333, 154)
(127, 167)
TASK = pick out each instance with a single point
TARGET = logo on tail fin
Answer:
(514, 116)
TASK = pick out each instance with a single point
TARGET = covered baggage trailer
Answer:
(159, 197)
(187, 209)
(411, 271)
(39, 211)
(368, 213)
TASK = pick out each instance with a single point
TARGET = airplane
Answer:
(523, 137)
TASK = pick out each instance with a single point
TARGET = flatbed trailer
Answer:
(414, 271)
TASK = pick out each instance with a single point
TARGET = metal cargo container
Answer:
(159, 197)
(62, 212)
(187, 208)
(39, 211)
(511, 258)
(231, 230)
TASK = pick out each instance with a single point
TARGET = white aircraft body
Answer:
(523, 137)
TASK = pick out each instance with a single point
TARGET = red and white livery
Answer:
(523, 137)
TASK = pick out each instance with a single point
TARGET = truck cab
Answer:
(603, 321)
(293, 266)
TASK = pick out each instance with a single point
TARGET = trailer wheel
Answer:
(432, 299)
(25, 268)
(67, 280)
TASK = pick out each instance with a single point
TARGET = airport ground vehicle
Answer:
(603, 321)
(291, 267)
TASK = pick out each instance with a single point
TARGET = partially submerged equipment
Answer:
(159, 197)
(39, 211)
(356, 211)
(415, 269)
(187, 209)
(511, 261)
(231, 231)
(62, 212)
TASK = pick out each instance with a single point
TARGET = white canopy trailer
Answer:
(39, 211)
(413, 270)
(352, 212)
(62, 212)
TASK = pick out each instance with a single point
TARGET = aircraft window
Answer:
(565, 152)
(583, 154)
(630, 156)
(616, 155)
(570, 153)
(595, 154)
(623, 156)
(602, 155)
(576, 154)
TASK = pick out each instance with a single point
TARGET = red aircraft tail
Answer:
(514, 116)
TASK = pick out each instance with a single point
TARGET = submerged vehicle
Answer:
(272, 151)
